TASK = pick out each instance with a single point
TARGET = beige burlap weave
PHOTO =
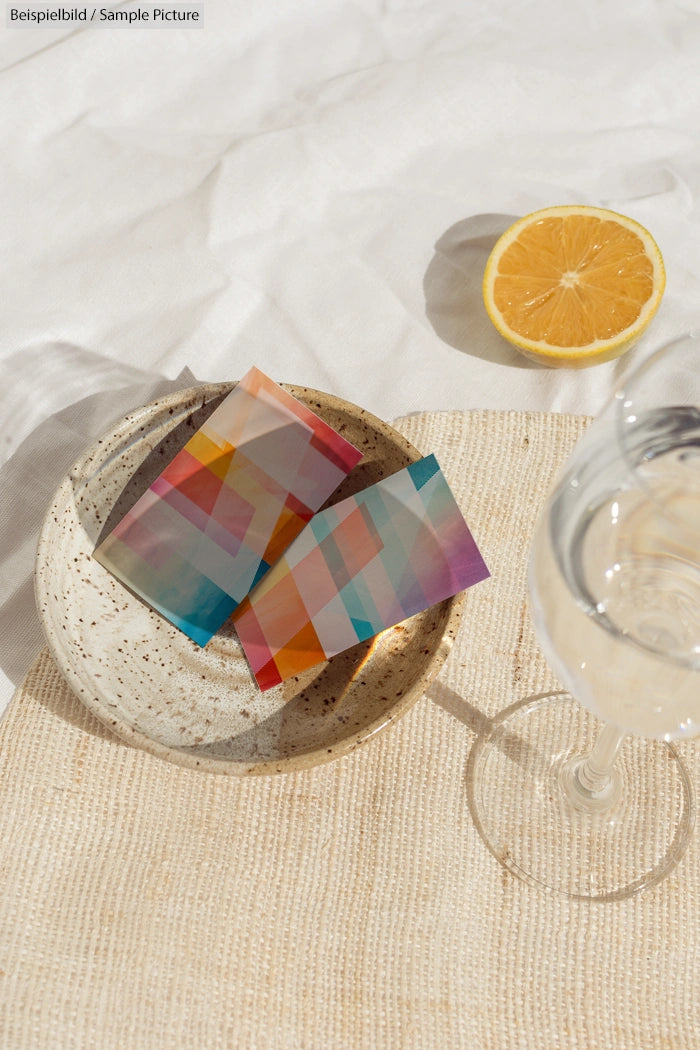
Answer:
(143, 905)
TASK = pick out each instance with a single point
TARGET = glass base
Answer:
(517, 785)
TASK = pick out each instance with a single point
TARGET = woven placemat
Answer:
(354, 905)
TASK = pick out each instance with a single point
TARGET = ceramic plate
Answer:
(198, 707)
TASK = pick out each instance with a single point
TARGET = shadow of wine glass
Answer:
(452, 283)
(491, 732)
(514, 746)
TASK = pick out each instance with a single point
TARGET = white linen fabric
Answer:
(311, 186)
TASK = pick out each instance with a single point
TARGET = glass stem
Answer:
(590, 781)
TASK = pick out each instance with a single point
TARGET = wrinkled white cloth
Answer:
(311, 186)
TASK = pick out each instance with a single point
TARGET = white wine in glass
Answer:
(598, 803)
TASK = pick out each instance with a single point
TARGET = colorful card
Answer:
(358, 567)
(227, 506)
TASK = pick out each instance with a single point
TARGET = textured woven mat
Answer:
(351, 906)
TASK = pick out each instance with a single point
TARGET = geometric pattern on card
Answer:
(358, 567)
(227, 506)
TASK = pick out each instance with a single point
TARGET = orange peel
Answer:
(573, 285)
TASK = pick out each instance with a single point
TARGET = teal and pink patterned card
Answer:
(227, 506)
(358, 567)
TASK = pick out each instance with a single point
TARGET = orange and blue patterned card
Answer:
(227, 506)
(358, 567)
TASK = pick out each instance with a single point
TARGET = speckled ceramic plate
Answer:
(201, 707)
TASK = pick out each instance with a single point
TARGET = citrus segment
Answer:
(573, 285)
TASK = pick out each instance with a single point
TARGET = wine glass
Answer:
(585, 792)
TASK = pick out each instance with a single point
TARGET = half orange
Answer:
(573, 285)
